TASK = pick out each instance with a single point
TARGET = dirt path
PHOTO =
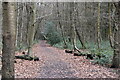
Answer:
(54, 67)
(55, 63)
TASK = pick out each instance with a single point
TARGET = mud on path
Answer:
(55, 63)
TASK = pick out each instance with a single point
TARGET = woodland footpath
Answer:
(55, 63)
(60, 39)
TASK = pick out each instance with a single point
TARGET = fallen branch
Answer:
(27, 57)
(78, 50)
(68, 51)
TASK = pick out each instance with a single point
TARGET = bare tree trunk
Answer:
(116, 57)
(19, 25)
(76, 30)
(31, 28)
(60, 25)
(98, 27)
(79, 37)
(72, 32)
(110, 28)
(8, 50)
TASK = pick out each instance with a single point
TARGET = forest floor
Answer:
(55, 63)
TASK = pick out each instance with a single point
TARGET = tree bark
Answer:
(72, 25)
(110, 28)
(79, 37)
(60, 25)
(31, 28)
(8, 34)
(116, 56)
(19, 25)
(98, 27)
(77, 21)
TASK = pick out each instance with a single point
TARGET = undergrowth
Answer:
(22, 46)
(105, 52)
(51, 33)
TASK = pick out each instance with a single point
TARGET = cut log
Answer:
(27, 57)
(15, 61)
(23, 52)
(90, 56)
(68, 51)
(36, 58)
(77, 54)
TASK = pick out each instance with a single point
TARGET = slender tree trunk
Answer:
(116, 56)
(110, 28)
(79, 37)
(60, 25)
(24, 26)
(73, 25)
(76, 30)
(72, 32)
(8, 50)
(19, 25)
(98, 27)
